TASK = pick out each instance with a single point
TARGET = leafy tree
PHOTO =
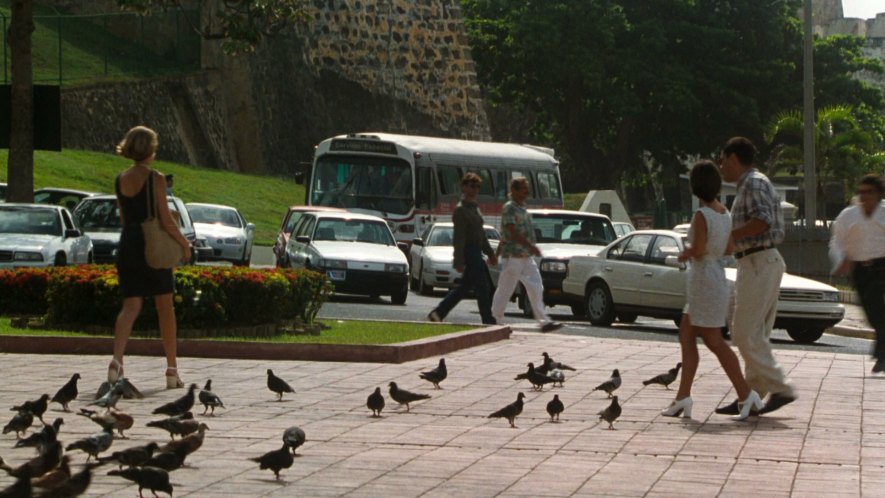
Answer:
(241, 24)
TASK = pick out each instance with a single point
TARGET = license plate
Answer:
(336, 274)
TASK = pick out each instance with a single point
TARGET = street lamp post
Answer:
(808, 120)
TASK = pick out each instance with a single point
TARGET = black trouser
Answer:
(869, 280)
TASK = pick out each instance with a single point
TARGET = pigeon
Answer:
(48, 434)
(191, 442)
(549, 364)
(39, 465)
(511, 411)
(94, 444)
(404, 397)
(611, 413)
(129, 390)
(76, 485)
(278, 385)
(555, 407)
(181, 425)
(111, 397)
(294, 437)
(21, 488)
(665, 379)
(375, 402)
(275, 460)
(37, 407)
(56, 476)
(538, 380)
(611, 384)
(209, 399)
(180, 405)
(436, 375)
(19, 423)
(67, 393)
(557, 375)
(135, 456)
(150, 478)
(168, 460)
(113, 418)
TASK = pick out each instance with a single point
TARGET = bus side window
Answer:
(502, 185)
(449, 180)
(548, 186)
(425, 189)
(488, 187)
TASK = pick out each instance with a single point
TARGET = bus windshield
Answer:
(381, 184)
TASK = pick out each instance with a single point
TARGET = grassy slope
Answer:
(262, 199)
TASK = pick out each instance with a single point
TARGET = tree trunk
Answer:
(20, 173)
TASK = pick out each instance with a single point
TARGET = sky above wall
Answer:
(863, 9)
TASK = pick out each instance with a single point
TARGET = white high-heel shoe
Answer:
(679, 407)
(752, 401)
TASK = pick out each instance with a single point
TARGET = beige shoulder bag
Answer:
(161, 250)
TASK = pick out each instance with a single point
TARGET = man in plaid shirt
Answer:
(757, 229)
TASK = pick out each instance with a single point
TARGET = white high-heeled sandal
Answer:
(752, 401)
(679, 407)
(115, 371)
(173, 381)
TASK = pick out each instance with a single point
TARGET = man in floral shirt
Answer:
(516, 249)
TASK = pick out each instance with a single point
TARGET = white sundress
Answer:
(707, 289)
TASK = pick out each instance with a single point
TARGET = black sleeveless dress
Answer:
(137, 279)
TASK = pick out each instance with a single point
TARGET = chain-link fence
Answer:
(74, 48)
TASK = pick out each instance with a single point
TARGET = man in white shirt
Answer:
(857, 246)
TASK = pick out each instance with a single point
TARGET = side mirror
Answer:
(304, 239)
(250, 227)
(404, 247)
(673, 261)
(72, 233)
(417, 241)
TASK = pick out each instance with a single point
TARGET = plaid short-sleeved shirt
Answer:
(756, 198)
(518, 216)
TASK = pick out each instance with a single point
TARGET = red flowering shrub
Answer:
(22, 291)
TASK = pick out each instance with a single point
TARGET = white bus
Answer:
(413, 181)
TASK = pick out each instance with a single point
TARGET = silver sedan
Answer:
(225, 230)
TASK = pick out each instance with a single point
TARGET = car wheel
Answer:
(400, 297)
(413, 282)
(600, 307)
(60, 260)
(627, 317)
(579, 310)
(244, 262)
(423, 288)
(806, 335)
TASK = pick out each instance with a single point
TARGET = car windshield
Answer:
(572, 229)
(442, 236)
(214, 216)
(98, 216)
(373, 232)
(30, 221)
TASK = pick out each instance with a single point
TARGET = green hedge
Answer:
(76, 297)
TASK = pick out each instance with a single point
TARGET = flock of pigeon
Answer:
(49, 474)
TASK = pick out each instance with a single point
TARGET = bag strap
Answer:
(150, 184)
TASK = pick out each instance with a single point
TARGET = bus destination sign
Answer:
(363, 146)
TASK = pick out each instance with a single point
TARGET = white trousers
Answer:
(513, 271)
(755, 294)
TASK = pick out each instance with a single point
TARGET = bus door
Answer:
(426, 197)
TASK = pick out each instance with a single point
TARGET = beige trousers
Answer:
(756, 292)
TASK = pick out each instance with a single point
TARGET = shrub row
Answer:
(205, 296)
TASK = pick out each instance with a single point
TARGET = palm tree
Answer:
(842, 148)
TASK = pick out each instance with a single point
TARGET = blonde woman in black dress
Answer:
(137, 279)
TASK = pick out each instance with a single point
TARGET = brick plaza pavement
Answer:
(831, 442)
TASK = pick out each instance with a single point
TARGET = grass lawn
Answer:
(340, 332)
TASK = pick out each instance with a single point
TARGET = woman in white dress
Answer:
(707, 294)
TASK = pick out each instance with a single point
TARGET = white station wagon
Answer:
(639, 274)
(41, 235)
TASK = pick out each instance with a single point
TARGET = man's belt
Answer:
(752, 250)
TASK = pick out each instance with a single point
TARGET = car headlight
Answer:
(333, 263)
(28, 256)
(554, 266)
(832, 297)
(392, 268)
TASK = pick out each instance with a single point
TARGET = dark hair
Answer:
(742, 147)
(873, 180)
(471, 177)
(706, 182)
(519, 183)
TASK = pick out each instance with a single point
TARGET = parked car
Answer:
(66, 197)
(622, 228)
(99, 218)
(40, 235)
(290, 219)
(639, 274)
(357, 252)
(561, 234)
(431, 257)
(226, 231)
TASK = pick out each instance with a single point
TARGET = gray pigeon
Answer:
(665, 379)
(21, 488)
(150, 478)
(113, 418)
(511, 411)
(275, 460)
(611, 413)
(168, 460)
(549, 364)
(294, 437)
(557, 375)
(19, 423)
(37, 407)
(278, 385)
(537, 379)
(47, 460)
(76, 485)
(191, 442)
(183, 424)
(67, 393)
(555, 407)
(436, 375)
(209, 399)
(49, 434)
(404, 397)
(111, 397)
(94, 444)
(134, 456)
(375, 402)
(55, 476)
(611, 384)
(179, 406)
(129, 390)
